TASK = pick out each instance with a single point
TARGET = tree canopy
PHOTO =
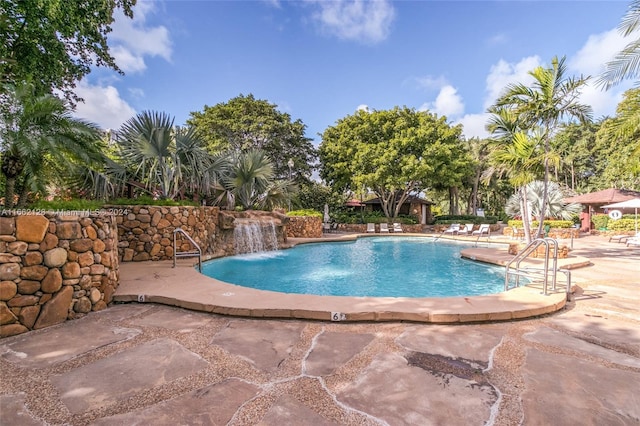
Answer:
(393, 153)
(53, 43)
(244, 123)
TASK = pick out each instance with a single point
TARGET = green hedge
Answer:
(624, 224)
(74, 204)
(550, 223)
(83, 204)
(306, 212)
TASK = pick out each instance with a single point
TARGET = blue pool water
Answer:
(379, 267)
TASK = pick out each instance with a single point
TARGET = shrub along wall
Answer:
(55, 267)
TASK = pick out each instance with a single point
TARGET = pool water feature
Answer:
(374, 266)
(254, 235)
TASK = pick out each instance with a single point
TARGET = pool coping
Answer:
(185, 287)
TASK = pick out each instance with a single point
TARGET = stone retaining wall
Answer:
(54, 268)
(557, 233)
(304, 227)
(146, 232)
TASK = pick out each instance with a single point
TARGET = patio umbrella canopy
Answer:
(633, 203)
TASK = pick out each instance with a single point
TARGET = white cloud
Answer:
(473, 125)
(590, 61)
(503, 73)
(363, 107)
(597, 51)
(448, 102)
(360, 20)
(497, 39)
(102, 105)
(127, 61)
(132, 40)
(430, 83)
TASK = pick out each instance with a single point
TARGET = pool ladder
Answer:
(546, 272)
(191, 253)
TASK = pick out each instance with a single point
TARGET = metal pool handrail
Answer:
(192, 253)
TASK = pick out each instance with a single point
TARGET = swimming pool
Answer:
(373, 266)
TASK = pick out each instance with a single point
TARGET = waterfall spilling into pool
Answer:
(253, 236)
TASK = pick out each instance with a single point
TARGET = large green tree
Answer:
(54, 43)
(37, 135)
(542, 106)
(574, 143)
(245, 123)
(393, 153)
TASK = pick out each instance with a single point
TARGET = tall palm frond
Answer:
(626, 64)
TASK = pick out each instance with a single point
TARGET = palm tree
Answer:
(249, 181)
(626, 63)
(555, 207)
(543, 106)
(250, 177)
(168, 160)
(38, 136)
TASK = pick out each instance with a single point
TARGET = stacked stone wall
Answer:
(304, 227)
(54, 268)
(557, 233)
(146, 232)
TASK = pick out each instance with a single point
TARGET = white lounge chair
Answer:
(622, 237)
(371, 228)
(635, 241)
(453, 229)
(483, 230)
(466, 229)
(384, 228)
(397, 228)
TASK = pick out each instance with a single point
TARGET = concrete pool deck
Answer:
(183, 286)
(147, 363)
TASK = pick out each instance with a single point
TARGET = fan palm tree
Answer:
(38, 135)
(168, 160)
(555, 206)
(626, 63)
(541, 107)
(251, 175)
(250, 182)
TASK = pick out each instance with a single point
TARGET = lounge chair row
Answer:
(631, 240)
(467, 229)
(384, 228)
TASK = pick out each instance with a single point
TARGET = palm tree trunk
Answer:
(545, 191)
(9, 191)
(524, 208)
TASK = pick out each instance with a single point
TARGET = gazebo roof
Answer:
(607, 196)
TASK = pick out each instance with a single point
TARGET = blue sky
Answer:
(320, 61)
